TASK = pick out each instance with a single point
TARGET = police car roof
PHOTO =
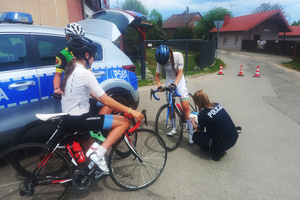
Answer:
(22, 28)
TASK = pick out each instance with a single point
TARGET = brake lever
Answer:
(145, 116)
(151, 93)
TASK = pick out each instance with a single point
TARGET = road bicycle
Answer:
(170, 116)
(48, 171)
(32, 131)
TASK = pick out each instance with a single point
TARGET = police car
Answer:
(27, 67)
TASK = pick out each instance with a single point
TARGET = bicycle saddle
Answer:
(45, 117)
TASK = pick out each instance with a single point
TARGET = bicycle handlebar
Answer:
(169, 89)
(138, 123)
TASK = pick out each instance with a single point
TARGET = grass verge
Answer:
(292, 65)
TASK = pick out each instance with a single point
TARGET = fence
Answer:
(284, 48)
(205, 49)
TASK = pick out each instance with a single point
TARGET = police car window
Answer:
(49, 47)
(99, 55)
(12, 52)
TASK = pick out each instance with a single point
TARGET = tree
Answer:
(156, 32)
(296, 23)
(185, 32)
(268, 7)
(207, 22)
(156, 17)
(135, 5)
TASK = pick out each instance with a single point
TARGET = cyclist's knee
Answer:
(120, 121)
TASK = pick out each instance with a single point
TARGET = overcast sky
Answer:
(238, 7)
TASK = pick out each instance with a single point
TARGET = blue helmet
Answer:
(162, 54)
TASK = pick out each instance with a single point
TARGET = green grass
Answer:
(292, 65)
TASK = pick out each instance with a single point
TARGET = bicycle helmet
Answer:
(78, 46)
(74, 30)
(162, 54)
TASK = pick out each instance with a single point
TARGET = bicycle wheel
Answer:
(36, 131)
(21, 179)
(193, 106)
(122, 149)
(163, 125)
(129, 172)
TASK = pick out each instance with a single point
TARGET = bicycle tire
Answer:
(131, 174)
(192, 104)
(162, 127)
(18, 166)
(35, 132)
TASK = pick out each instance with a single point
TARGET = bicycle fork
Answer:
(131, 147)
(171, 115)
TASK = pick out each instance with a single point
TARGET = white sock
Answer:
(190, 125)
(173, 123)
(98, 149)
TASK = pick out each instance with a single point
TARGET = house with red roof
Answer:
(291, 36)
(258, 28)
(180, 20)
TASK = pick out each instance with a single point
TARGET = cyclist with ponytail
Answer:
(77, 86)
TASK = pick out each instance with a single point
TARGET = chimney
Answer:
(226, 20)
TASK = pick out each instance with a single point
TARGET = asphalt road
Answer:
(265, 162)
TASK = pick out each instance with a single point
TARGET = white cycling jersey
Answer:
(171, 75)
(81, 82)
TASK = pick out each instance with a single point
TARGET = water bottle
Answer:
(179, 107)
(78, 152)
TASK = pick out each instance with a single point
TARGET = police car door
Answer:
(19, 86)
(47, 47)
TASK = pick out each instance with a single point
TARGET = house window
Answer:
(225, 40)
(196, 23)
(236, 39)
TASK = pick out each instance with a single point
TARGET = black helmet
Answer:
(80, 45)
(162, 54)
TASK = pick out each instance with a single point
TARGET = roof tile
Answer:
(178, 20)
(247, 22)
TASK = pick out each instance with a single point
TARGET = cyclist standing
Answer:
(62, 58)
(77, 86)
(172, 62)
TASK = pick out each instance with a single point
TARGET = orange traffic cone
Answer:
(221, 70)
(257, 73)
(241, 71)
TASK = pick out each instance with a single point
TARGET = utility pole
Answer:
(187, 16)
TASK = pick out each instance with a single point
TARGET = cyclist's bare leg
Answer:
(186, 109)
(105, 110)
(187, 112)
(96, 152)
(119, 126)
